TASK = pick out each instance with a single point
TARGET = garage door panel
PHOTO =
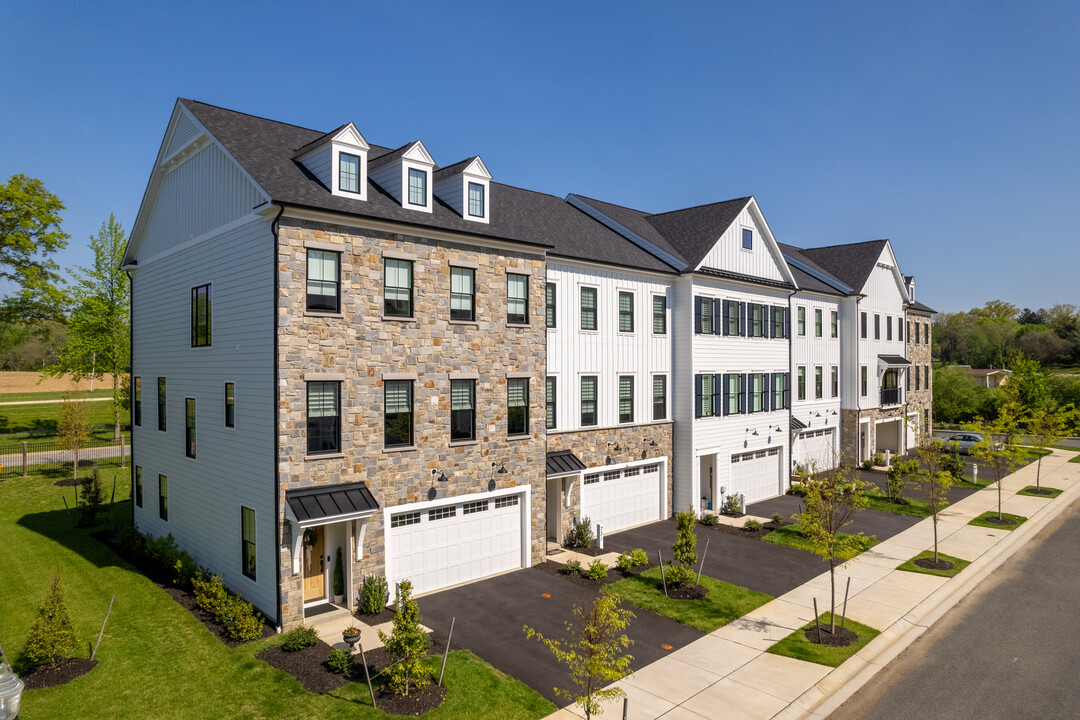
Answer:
(756, 475)
(624, 498)
(815, 447)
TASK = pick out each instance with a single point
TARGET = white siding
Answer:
(234, 466)
(184, 131)
(810, 352)
(606, 353)
(728, 254)
(884, 298)
(204, 192)
(685, 470)
(320, 164)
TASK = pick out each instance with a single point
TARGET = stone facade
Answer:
(849, 429)
(596, 448)
(359, 346)
(921, 400)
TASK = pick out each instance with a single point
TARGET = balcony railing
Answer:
(890, 396)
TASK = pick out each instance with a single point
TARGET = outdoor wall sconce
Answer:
(441, 475)
(651, 442)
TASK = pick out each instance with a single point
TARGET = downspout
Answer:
(274, 393)
(131, 385)
(790, 410)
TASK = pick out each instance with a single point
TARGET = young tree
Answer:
(29, 232)
(683, 549)
(898, 476)
(594, 651)
(73, 431)
(99, 329)
(407, 644)
(53, 635)
(998, 447)
(1046, 427)
(936, 480)
(93, 497)
(830, 504)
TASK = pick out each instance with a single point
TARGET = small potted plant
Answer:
(351, 635)
(339, 579)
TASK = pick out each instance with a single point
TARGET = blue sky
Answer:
(952, 128)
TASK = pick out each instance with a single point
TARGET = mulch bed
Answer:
(385, 616)
(999, 521)
(306, 666)
(418, 702)
(65, 672)
(591, 551)
(929, 564)
(614, 574)
(687, 592)
(841, 638)
(1038, 491)
(740, 532)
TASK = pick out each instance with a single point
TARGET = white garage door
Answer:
(912, 429)
(756, 475)
(619, 499)
(455, 543)
(815, 447)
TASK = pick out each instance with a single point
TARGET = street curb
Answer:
(838, 686)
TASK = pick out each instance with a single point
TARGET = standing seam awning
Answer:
(894, 360)
(563, 462)
(331, 503)
(797, 424)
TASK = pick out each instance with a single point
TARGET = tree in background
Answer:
(73, 430)
(998, 446)
(1046, 427)
(997, 310)
(99, 329)
(1028, 386)
(959, 398)
(29, 233)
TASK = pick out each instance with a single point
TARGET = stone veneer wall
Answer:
(362, 346)
(920, 354)
(594, 446)
(849, 429)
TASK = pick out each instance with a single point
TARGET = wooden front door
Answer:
(314, 567)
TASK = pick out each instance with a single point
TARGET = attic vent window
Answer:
(417, 187)
(747, 239)
(349, 173)
(476, 199)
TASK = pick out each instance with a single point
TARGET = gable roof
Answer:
(851, 263)
(918, 306)
(693, 231)
(809, 275)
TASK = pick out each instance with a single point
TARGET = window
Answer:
(926, 334)
(732, 321)
(801, 321)
(462, 294)
(136, 404)
(705, 388)
(747, 239)
(476, 506)
(863, 388)
(757, 320)
(659, 314)
(476, 200)
(779, 320)
(659, 397)
(517, 406)
(138, 486)
(549, 305)
(517, 298)
(588, 401)
(163, 497)
(780, 387)
(926, 374)
(888, 327)
(835, 381)
(323, 281)
(441, 513)
(247, 540)
(757, 392)
(504, 502)
(835, 321)
(626, 399)
(704, 315)
(323, 417)
(916, 377)
(397, 288)
(877, 326)
(348, 172)
(200, 316)
(899, 328)
(417, 187)
(819, 382)
(549, 393)
(189, 427)
(404, 519)
(161, 404)
(862, 325)
(916, 333)
(817, 322)
(230, 405)
(733, 394)
(801, 387)
(907, 380)
(397, 413)
(909, 329)
(626, 312)
(462, 410)
(588, 308)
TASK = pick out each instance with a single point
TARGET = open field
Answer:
(27, 382)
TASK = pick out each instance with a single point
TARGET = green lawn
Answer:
(1029, 492)
(1076, 459)
(23, 396)
(984, 520)
(985, 480)
(27, 422)
(724, 603)
(157, 660)
(797, 646)
(958, 564)
(914, 508)
(790, 535)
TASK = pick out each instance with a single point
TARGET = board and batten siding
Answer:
(606, 352)
(201, 194)
(727, 253)
(884, 297)
(234, 467)
(810, 352)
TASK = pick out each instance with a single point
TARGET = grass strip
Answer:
(1048, 493)
(915, 507)
(724, 603)
(985, 520)
(58, 395)
(791, 536)
(797, 646)
(958, 564)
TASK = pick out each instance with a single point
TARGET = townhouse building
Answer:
(920, 318)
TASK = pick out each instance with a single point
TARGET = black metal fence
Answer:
(20, 458)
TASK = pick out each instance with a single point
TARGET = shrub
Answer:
(130, 541)
(373, 595)
(867, 464)
(677, 575)
(597, 570)
(777, 519)
(184, 570)
(752, 525)
(571, 568)
(210, 593)
(623, 562)
(339, 575)
(248, 624)
(638, 557)
(53, 635)
(879, 458)
(340, 661)
(407, 644)
(710, 519)
(299, 638)
(581, 535)
(683, 549)
(953, 464)
(733, 504)
(91, 498)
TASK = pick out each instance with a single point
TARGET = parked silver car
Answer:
(964, 442)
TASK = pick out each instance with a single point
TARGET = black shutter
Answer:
(726, 305)
(787, 390)
(717, 316)
(766, 402)
(787, 322)
(717, 396)
(743, 407)
(697, 315)
(727, 394)
(697, 396)
(742, 319)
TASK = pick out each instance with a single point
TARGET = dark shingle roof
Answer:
(452, 169)
(916, 305)
(851, 264)
(806, 280)
(693, 231)
(634, 220)
(386, 158)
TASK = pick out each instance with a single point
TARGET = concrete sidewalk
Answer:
(728, 673)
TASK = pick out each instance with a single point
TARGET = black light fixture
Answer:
(650, 441)
(441, 475)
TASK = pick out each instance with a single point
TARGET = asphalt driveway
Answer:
(872, 522)
(491, 613)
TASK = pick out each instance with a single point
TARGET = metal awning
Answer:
(329, 503)
(563, 462)
(797, 424)
(894, 360)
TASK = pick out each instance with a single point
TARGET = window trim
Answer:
(551, 305)
(200, 339)
(230, 405)
(422, 174)
(819, 323)
(800, 320)
(163, 497)
(163, 404)
(864, 384)
(138, 494)
(246, 545)
(136, 401)
(800, 383)
(190, 418)
(308, 419)
(469, 185)
(512, 320)
(336, 283)
(747, 243)
(625, 314)
(819, 382)
(341, 155)
(594, 380)
(834, 323)
(411, 413)
(834, 380)
(662, 404)
(524, 382)
(471, 295)
(471, 384)
(863, 324)
(662, 316)
(582, 290)
(627, 382)
(551, 402)
(412, 283)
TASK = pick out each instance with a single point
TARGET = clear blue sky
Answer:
(952, 128)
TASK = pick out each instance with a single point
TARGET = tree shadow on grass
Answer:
(61, 526)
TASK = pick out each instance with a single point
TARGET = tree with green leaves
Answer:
(594, 651)
(935, 480)
(831, 501)
(407, 644)
(99, 329)
(898, 475)
(1046, 427)
(53, 635)
(1028, 385)
(73, 430)
(998, 447)
(684, 548)
(29, 233)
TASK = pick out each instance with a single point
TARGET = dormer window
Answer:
(476, 200)
(747, 239)
(349, 172)
(464, 186)
(339, 160)
(417, 187)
